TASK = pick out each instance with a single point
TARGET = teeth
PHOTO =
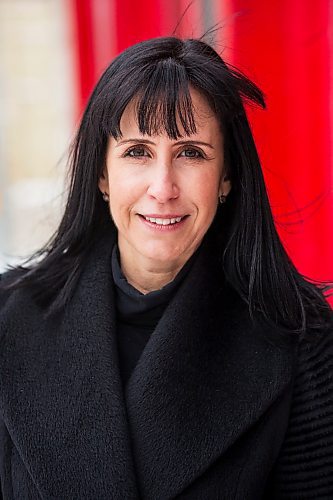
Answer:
(163, 222)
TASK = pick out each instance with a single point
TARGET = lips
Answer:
(163, 220)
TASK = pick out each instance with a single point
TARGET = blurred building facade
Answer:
(53, 51)
(36, 95)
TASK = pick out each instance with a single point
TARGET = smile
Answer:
(163, 222)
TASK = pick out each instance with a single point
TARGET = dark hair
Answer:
(158, 73)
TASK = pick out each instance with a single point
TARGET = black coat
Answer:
(216, 408)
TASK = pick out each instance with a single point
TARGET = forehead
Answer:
(203, 116)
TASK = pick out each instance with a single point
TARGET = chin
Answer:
(162, 257)
(162, 254)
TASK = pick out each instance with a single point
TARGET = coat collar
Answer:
(60, 391)
(206, 375)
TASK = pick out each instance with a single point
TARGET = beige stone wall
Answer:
(36, 121)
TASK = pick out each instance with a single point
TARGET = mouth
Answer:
(164, 221)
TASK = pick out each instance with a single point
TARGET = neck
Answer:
(145, 274)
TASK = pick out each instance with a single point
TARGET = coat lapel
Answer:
(206, 375)
(61, 393)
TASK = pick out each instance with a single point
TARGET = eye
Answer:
(192, 153)
(136, 152)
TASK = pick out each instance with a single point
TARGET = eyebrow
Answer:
(178, 143)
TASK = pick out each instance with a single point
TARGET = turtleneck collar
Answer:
(134, 307)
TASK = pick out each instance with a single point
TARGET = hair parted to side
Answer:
(158, 75)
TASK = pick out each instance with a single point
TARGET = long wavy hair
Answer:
(159, 74)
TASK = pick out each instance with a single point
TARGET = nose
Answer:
(162, 185)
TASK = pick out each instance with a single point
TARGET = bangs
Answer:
(162, 99)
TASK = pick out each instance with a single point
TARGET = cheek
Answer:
(126, 185)
(124, 195)
(120, 188)
(206, 193)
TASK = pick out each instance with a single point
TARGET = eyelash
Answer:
(132, 149)
(199, 155)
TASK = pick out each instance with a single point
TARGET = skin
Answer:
(158, 176)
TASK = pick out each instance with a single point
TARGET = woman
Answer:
(163, 345)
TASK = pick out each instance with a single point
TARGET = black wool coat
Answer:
(216, 408)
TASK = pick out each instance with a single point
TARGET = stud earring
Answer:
(106, 196)
(222, 198)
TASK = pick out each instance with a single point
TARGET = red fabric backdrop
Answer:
(286, 47)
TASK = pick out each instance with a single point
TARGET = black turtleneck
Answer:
(138, 313)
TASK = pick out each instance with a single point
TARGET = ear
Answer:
(225, 186)
(103, 181)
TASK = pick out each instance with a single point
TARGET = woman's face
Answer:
(164, 192)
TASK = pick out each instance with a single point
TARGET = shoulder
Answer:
(316, 345)
(313, 365)
(307, 453)
(18, 309)
(314, 380)
(4, 293)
